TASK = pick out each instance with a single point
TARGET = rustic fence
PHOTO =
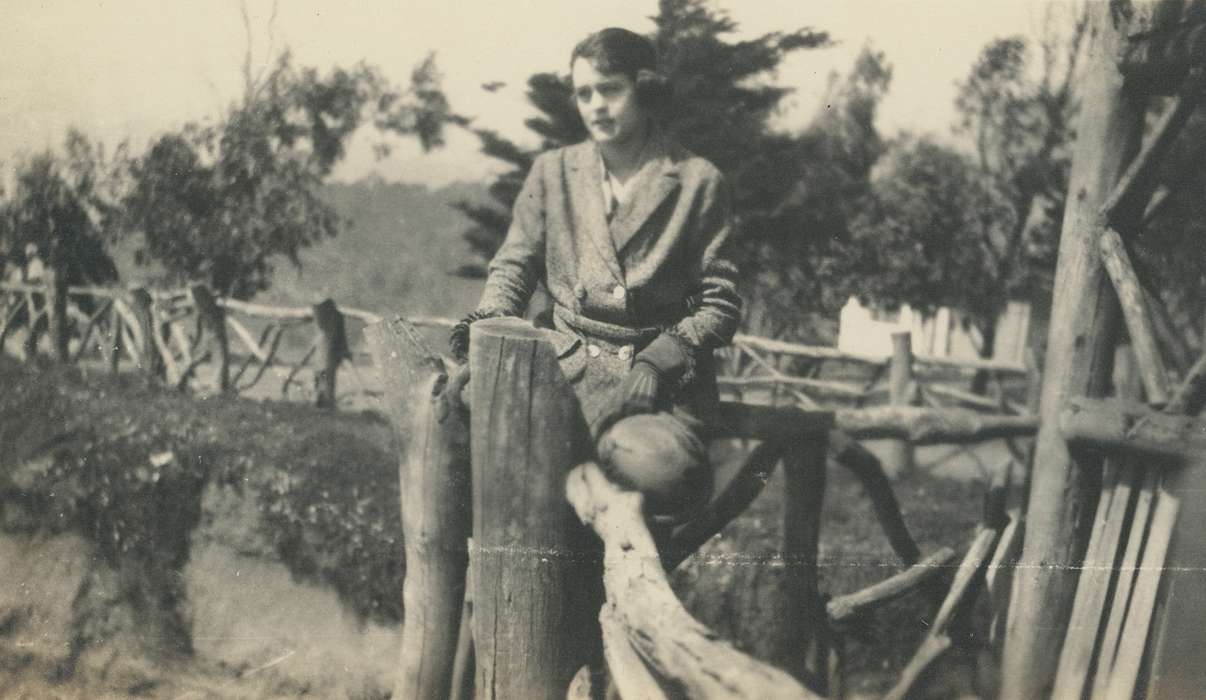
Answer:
(484, 612)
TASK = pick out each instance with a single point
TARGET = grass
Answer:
(327, 491)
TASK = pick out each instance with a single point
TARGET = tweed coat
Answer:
(661, 265)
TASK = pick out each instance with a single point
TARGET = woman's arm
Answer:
(518, 266)
(713, 320)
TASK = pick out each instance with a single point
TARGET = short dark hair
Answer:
(617, 50)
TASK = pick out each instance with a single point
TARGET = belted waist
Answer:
(609, 332)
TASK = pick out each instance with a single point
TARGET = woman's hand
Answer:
(637, 394)
(458, 339)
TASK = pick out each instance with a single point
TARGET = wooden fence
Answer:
(516, 592)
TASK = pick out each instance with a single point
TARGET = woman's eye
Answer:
(584, 95)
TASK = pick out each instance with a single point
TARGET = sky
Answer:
(129, 69)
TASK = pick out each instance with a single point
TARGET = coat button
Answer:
(593, 350)
(619, 293)
(625, 352)
(580, 291)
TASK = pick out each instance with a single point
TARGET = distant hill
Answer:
(395, 252)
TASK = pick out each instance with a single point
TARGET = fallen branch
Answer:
(938, 639)
(892, 588)
(680, 653)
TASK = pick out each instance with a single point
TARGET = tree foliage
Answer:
(61, 209)
(221, 202)
(973, 233)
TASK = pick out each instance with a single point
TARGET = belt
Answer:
(609, 332)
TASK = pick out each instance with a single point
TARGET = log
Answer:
(1135, 314)
(1176, 638)
(265, 311)
(737, 495)
(780, 347)
(434, 472)
(866, 467)
(923, 426)
(873, 597)
(332, 344)
(1132, 427)
(1083, 327)
(938, 640)
(533, 617)
(1135, 182)
(760, 422)
(968, 398)
(821, 386)
(899, 458)
(681, 654)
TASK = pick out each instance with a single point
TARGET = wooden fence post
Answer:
(116, 326)
(332, 349)
(211, 320)
(433, 429)
(530, 625)
(898, 461)
(56, 305)
(1084, 321)
(140, 304)
(804, 468)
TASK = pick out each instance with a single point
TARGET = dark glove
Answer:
(657, 367)
(637, 394)
(458, 339)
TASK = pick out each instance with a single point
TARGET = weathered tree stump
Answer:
(433, 429)
(531, 567)
(332, 344)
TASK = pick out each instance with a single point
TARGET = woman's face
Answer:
(608, 104)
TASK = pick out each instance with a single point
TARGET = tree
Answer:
(220, 203)
(60, 216)
(1020, 131)
(722, 108)
(62, 209)
(927, 232)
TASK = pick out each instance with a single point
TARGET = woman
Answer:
(630, 234)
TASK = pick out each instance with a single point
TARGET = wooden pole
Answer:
(530, 566)
(115, 332)
(804, 465)
(1084, 322)
(898, 460)
(433, 429)
(332, 349)
(211, 319)
(140, 305)
(56, 304)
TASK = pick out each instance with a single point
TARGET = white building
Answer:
(942, 334)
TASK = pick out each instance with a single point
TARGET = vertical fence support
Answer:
(898, 461)
(332, 349)
(804, 464)
(434, 474)
(1084, 321)
(530, 626)
(115, 332)
(56, 306)
(211, 322)
(140, 304)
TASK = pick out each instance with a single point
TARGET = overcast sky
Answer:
(127, 69)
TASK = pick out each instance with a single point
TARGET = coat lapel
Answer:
(585, 184)
(657, 178)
